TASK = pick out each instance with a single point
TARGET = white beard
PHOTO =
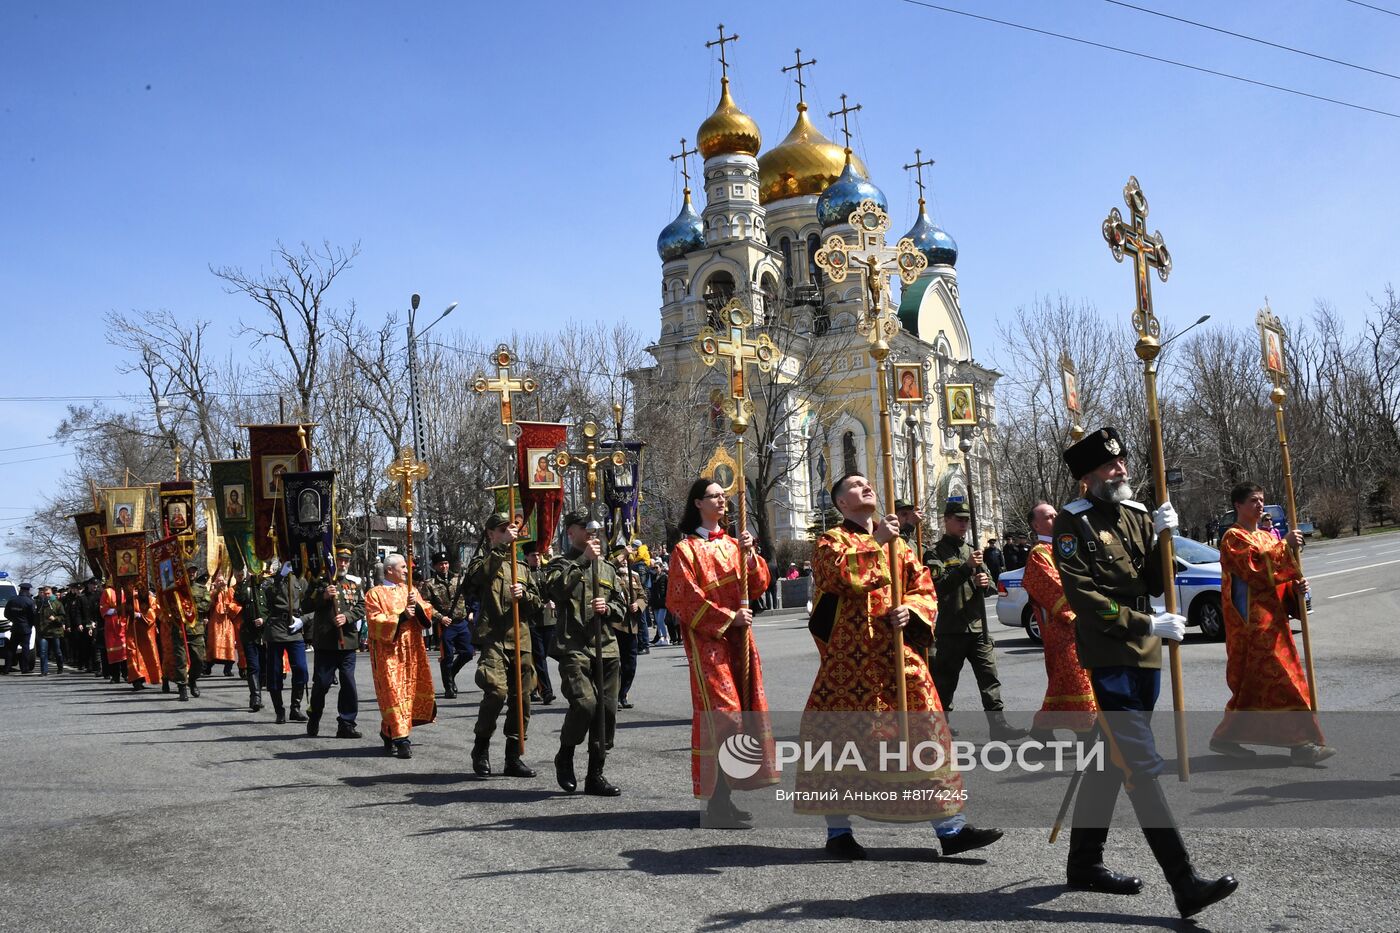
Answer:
(1112, 492)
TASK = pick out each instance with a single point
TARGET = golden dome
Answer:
(803, 163)
(728, 129)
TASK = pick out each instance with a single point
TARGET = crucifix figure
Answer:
(407, 470)
(723, 64)
(844, 113)
(801, 88)
(733, 347)
(875, 260)
(1148, 252)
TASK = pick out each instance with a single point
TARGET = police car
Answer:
(1197, 592)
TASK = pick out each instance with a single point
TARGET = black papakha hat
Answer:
(1094, 451)
(439, 557)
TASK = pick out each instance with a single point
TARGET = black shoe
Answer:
(184, 696)
(165, 686)
(514, 766)
(845, 848)
(388, 743)
(449, 692)
(347, 730)
(194, 689)
(1101, 879)
(722, 814)
(1194, 893)
(403, 748)
(564, 769)
(313, 724)
(967, 839)
(281, 716)
(624, 703)
(254, 702)
(594, 783)
(548, 700)
(481, 757)
(228, 670)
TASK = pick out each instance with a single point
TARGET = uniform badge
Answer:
(1112, 446)
(1106, 537)
(1067, 544)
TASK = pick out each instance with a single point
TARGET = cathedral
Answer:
(765, 214)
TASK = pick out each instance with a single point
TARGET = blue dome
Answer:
(682, 235)
(936, 245)
(844, 195)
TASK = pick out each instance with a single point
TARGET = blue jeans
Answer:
(44, 652)
(253, 653)
(296, 657)
(660, 617)
(329, 662)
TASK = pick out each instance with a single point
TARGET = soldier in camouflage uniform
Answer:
(489, 576)
(189, 651)
(583, 621)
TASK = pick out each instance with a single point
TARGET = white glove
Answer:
(297, 623)
(1164, 519)
(287, 567)
(1169, 625)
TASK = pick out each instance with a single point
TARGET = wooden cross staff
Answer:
(1149, 252)
(736, 353)
(875, 260)
(505, 385)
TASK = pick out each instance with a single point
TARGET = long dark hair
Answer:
(690, 517)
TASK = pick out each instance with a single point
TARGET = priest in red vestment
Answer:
(1069, 697)
(855, 699)
(1269, 702)
(220, 637)
(142, 645)
(403, 682)
(726, 677)
(112, 605)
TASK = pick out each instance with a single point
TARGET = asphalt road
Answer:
(129, 812)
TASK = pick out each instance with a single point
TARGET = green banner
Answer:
(232, 484)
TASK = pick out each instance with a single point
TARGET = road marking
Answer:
(1333, 573)
(1352, 593)
(1343, 560)
(1393, 550)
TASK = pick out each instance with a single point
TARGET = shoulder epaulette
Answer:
(1078, 506)
(1134, 504)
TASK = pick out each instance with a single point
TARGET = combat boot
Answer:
(564, 769)
(481, 756)
(194, 687)
(1193, 893)
(276, 697)
(1086, 871)
(1003, 731)
(313, 722)
(514, 766)
(297, 715)
(449, 680)
(595, 783)
(254, 697)
(184, 696)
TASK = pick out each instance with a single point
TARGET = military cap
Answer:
(959, 509)
(575, 518)
(1093, 451)
(496, 520)
(440, 557)
(344, 552)
(900, 505)
(26, 586)
(529, 547)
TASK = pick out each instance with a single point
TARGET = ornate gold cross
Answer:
(505, 384)
(875, 261)
(1148, 252)
(737, 352)
(589, 459)
(406, 470)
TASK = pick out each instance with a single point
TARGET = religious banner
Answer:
(125, 508)
(172, 583)
(542, 483)
(621, 490)
(91, 527)
(526, 520)
(177, 514)
(215, 554)
(126, 556)
(232, 484)
(275, 450)
(309, 504)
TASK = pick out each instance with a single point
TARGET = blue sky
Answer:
(514, 157)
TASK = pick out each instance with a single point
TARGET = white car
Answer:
(1197, 592)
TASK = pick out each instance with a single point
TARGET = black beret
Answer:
(1094, 451)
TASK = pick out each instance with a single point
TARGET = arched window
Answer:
(719, 288)
(814, 274)
(785, 245)
(848, 453)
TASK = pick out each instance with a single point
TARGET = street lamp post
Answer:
(415, 414)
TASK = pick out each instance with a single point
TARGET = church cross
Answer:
(737, 352)
(684, 155)
(798, 68)
(918, 166)
(1149, 251)
(504, 384)
(723, 64)
(843, 113)
(875, 261)
(406, 470)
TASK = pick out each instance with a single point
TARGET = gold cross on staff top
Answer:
(875, 261)
(406, 470)
(738, 352)
(1148, 252)
(589, 460)
(505, 383)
